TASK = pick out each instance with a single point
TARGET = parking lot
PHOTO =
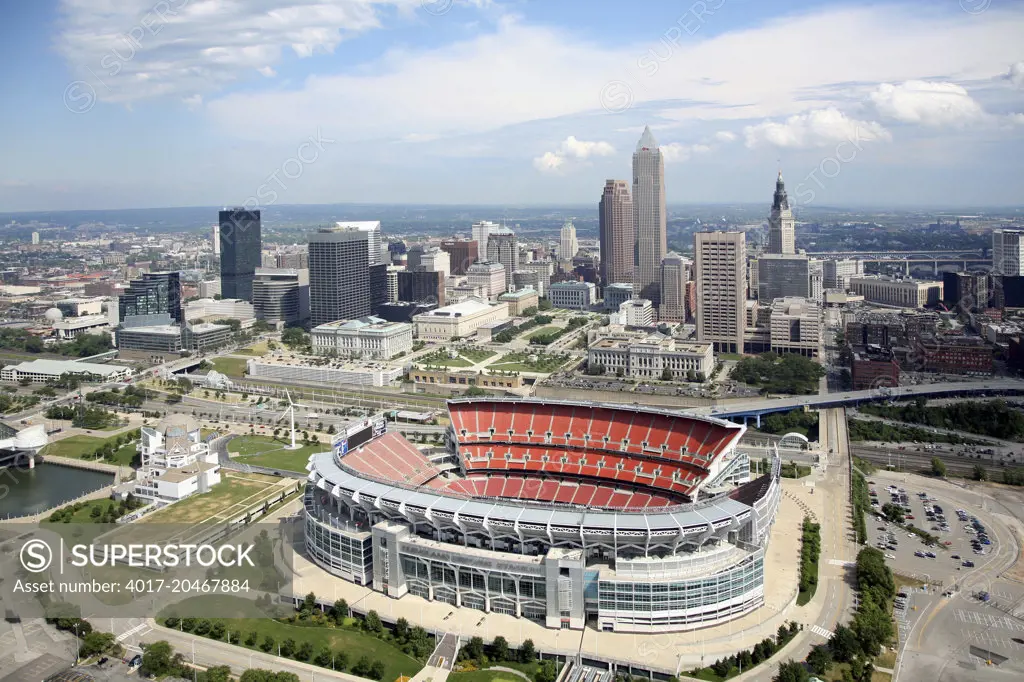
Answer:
(908, 554)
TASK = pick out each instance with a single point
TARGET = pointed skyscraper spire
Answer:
(647, 141)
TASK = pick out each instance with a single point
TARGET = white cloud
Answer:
(725, 136)
(194, 102)
(267, 71)
(571, 148)
(1016, 74)
(675, 152)
(930, 104)
(138, 49)
(817, 128)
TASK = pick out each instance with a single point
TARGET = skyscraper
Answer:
(721, 278)
(155, 295)
(503, 248)
(675, 272)
(462, 252)
(481, 231)
(568, 245)
(781, 225)
(374, 245)
(215, 240)
(617, 232)
(339, 275)
(649, 217)
(1008, 252)
(240, 251)
(782, 276)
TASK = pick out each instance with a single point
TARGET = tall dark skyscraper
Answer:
(339, 275)
(157, 293)
(241, 252)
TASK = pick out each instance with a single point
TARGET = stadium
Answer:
(570, 514)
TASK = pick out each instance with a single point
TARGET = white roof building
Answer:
(41, 371)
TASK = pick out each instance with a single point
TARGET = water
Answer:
(30, 491)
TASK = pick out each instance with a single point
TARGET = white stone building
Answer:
(457, 321)
(369, 338)
(647, 356)
(176, 462)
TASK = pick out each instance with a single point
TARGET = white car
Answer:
(890, 556)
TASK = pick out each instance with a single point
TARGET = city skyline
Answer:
(934, 118)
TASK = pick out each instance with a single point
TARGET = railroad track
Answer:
(918, 461)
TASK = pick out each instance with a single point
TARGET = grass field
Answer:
(232, 496)
(485, 676)
(474, 355)
(232, 367)
(519, 362)
(263, 451)
(440, 358)
(80, 447)
(258, 349)
(355, 644)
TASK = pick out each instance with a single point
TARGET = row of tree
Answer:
(731, 666)
(160, 660)
(995, 418)
(810, 552)
(478, 655)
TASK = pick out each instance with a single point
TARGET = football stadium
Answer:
(571, 514)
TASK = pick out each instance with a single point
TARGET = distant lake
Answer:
(30, 491)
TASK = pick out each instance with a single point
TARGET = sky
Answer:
(143, 103)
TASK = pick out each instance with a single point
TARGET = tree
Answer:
(499, 649)
(156, 659)
(324, 658)
(893, 512)
(474, 648)
(843, 644)
(979, 473)
(819, 659)
(402, 630)
(309, 603)
(938, 467)
(259, 675)
(377, 669)
(268, 643)
(96, 642)
(546, 672)
(666, 374)
(527, 652)
(372, 622)
(791, 671)
(340, 610)
(287, 647)
(220, 673)
(362, 666)
(304, 652)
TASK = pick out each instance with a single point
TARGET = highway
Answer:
(993, 386)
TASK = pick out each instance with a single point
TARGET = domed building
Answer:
(176, 462)
(53, 315)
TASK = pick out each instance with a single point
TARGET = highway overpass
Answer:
(756, 408)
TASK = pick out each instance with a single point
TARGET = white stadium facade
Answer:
(570, 514)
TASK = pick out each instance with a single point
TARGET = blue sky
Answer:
(145, 103)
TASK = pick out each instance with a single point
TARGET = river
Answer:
(30, 491)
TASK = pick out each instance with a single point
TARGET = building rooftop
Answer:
(163, 329)
(58, 367)
(369, 323)
(525, 292)
(470, 306)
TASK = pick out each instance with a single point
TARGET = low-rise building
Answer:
(220, 309)
(648, 356)
(637, 312)
(335, 375)
(154, 340)
(457, 321)
(520, 300)
(572, 295)
(616, 294)
(957, 355)
(370, 338)
(874, 367)
(795, 326)
(204, 336)
(41, 371)
(905, 293)
(461, 380)
(69, 328)
(489, 277)
(176, 462)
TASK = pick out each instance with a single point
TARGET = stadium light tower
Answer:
(290, 411)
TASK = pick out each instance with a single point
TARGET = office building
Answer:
(905, 293)
(489, 277)
(457, 321)
(568, 245)
(1008, 252)
(209, 288)
(241, 253)
(873, 367)
(215, 240)
(35, 238)
(781, 276)
(481, 232)
(616, 294)
(203, 337)
(502, 248)
(966, 290)
(637, 312)
(795, 326)
(42, 371)
(544, 270)
(720, 275)
(617, 233)
(369, 338)
(436, 260)
(816, 280)
(392, 281)
(572, 295)
(281, 296)
(220, 309)
(675, 273)
(838, 272)
(378, 286)
(781, 225)
(296, 260)
(70, 328)
(525, 279)
(156, 294)
(647, 356)
(421, 286)
(339, 275)
(374, 243)
(649, 217)
(520, 300)
(462, 253)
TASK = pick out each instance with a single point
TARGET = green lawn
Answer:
(474, 355)
(81, 447)
(519, 362)
(440, 359)
(355, 644)
(485, 676)
(257, 349)
(84, 515)
(266, 452)
(543, 330)
(231, 497)
(233, 367)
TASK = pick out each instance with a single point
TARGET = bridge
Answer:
(921, 254)
(756, 408)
